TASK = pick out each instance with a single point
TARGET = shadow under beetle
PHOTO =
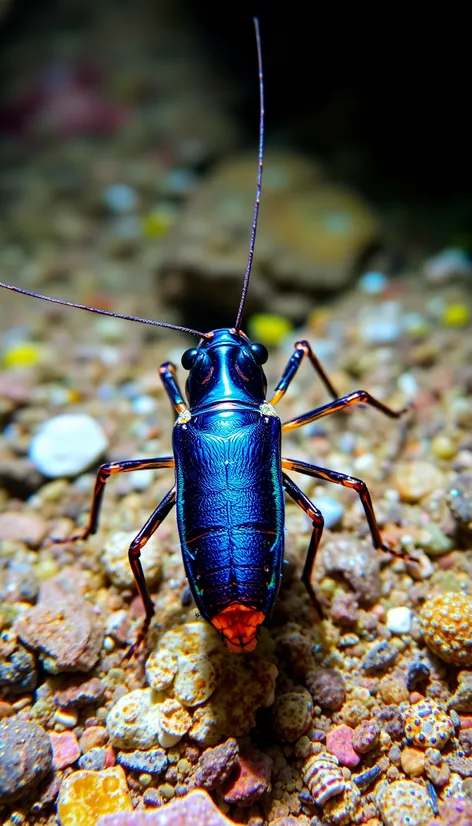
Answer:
(230, 475)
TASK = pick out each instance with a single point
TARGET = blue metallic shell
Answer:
(230, 505)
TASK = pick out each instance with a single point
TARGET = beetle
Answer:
(230, 475)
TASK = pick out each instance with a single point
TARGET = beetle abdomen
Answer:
(230, 510)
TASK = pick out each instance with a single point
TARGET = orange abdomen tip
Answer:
(238, 624)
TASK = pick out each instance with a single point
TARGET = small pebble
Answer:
(418, 672)
(269, 329)
(120, 198)
(86, 795)
(332, 510)
(251, 779)
(25, 757)
(427, 726)
(65, 749)
(456, 315)
(391, 721)
(379, 658)
(324, 777)
(93, 760)
(18, 671)
(416, 479)
(152, 761)
(462, 699)
(446, 623)
(293, 713)
(393, 691)
(404, 802)
(215, 765)
(365, 736)
(327, 687)
(381, 324)
(21, 354)
(339, 743)
(92, 737)
(67, 445)
(134, 721)
(447, 264)
(412, 761)
(83, 693)
(372, 282)
(399, 620)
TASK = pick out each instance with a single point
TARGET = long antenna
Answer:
(105, 312)
(247, 276)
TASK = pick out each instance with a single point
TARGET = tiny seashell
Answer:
(324, 777)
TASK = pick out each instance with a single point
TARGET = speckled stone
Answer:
(404, 801)
(365, 736)
(327, 687)
(215, 765)
(151, 761)
(446, 623)
(86, 795)
(379, 658)
(356, 562)
(427, 726)
(25, 757)
(293, 713)
(459, 500)
(17, 665)
(416, 479)
(116, 562)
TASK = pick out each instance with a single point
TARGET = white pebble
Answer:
(67, 445)
(408, 385)
(399, 620)
(381, 324)
(451, 262)
(331, 509)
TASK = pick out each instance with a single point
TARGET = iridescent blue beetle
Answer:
(230, 477)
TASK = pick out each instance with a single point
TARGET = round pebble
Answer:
(365, 736)
(459, 500)
(25, 757)
(399, 620)
(404, 802)
(427, 725)
(381, 324)
(293, 715)
(134, 721)
(446, 623)
(372, 282)
(120, 198)
(67, 445)
(415, 480)
(412, 761)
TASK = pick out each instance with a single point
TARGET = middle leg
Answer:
(318, 523)
(348, 482)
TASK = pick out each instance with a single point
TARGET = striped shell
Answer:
(324, 777)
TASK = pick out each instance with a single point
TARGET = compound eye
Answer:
(188, 358)
(260, 353)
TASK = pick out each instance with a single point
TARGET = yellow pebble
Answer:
(86, 795)
(157, 223)
(23, 354)
(269, 329)
(443, 447)
(456, 315)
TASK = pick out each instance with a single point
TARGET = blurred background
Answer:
(128, 150)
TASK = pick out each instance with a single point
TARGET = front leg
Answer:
(104, 473)
(302, 349)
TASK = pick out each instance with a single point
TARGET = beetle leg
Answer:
(167, 373)
(318, 522)
(302, 349)
(357, 397)
(134, 555)
(104, 473)
(348, 482)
